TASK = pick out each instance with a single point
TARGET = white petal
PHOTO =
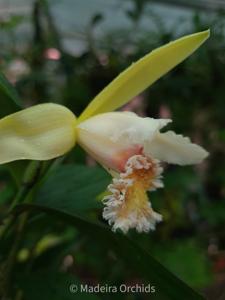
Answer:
(174, 148)
(124, 127)
(111, 138)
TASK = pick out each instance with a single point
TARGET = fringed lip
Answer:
(127, 206)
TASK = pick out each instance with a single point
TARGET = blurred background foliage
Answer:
(57, 245)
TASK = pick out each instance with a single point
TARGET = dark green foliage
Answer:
(63, 221)
(9, 99)
(77, 188)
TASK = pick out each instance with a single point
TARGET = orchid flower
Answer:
(130, 147)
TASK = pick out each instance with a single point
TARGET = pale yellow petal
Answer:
(40, 132)
(175, 149)
(143, 73)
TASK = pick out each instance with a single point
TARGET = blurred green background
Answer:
(66, 52)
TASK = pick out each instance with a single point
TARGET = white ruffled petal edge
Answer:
(174, 148)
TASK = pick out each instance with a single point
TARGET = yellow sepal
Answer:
(41, 132)
(143, 73)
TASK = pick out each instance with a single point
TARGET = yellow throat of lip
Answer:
(136, 200)
(127, 206)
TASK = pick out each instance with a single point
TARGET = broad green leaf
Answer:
(73, 188)
(143, 73)
(49, 285)
(69, 192)
(172, 254)
(168, 286)
(9, 100)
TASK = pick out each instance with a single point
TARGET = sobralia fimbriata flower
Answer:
(133, 148)
(130, 147)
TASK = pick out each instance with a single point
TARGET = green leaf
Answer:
(168, 286)
(69, 192)
(172, 254)
(6, 193)
(12, 22)
(9, 99)
(57, 286)
(73, 188)
(213, 212)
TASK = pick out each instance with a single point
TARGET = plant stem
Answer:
(8, 266)
(34, 175)
(30, 177)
